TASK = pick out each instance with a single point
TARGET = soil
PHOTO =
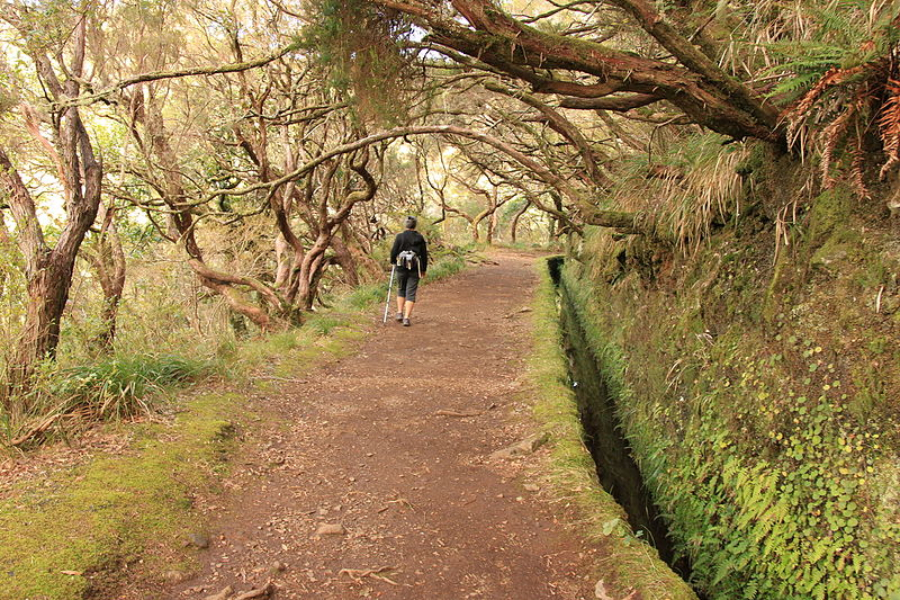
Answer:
(376, 477)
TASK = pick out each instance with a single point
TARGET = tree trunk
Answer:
(48, 293)
(345, 259)
(302, 294)
(49, 271)
(109, 264)
(367, 267)
(514, 226)
(491, 228)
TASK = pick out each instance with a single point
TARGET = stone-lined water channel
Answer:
(616, 469)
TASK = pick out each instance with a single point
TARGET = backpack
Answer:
(407, 258)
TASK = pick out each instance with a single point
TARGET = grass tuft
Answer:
(119, 387)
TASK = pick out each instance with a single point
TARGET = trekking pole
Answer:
(387, 302)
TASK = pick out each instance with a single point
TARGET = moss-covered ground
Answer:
(59, 536)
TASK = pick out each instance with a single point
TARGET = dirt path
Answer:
(375, 447)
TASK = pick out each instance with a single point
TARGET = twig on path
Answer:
(223, 595)
(453, 413)
(401, 501)
(263, 592)
(357, 575)
(275, 378)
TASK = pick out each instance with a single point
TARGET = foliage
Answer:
(753, 506)
(844, 75)
(830, 36)
(115, 387)
(361, 47)
(698, 187)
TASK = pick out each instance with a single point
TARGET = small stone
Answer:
(526, 446)
(278, 567)
(197, 540)
(330, 529)
(173, 576)
(532, 487)
(600, 591)
(537, 441)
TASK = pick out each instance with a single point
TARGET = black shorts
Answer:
(407, 284)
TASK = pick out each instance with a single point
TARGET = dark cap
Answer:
(410, 222)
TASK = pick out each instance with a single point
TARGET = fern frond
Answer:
(831, 136)
(889, 126)
(856, 169)
(833, 77)
(794, 84)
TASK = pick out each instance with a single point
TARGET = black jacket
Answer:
(411, 240)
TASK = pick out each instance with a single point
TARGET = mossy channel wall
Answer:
(617, 471)
(758, 386)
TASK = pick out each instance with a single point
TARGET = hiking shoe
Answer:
(399, 317)
(406, 323)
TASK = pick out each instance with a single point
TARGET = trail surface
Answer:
(377, 478)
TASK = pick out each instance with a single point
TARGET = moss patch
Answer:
(58, 536)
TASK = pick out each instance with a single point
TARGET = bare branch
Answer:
(161, 75)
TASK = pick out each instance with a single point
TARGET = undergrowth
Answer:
(118, 387)
(114, 387)
(753, 412)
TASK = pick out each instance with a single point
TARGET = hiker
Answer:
(410, 254)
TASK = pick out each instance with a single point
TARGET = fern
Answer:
(889, 125)
(831, 136)
(857, 169)
(794, 85)
(833, 77)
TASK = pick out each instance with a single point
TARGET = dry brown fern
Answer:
(856, 168)
(834, 76)
(831, 136)
(889, 126)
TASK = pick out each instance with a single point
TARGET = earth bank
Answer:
(756, 379)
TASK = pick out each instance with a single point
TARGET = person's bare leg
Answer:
(409, 309)
(401, 301)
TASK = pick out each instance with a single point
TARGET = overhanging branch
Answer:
(161, 75)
